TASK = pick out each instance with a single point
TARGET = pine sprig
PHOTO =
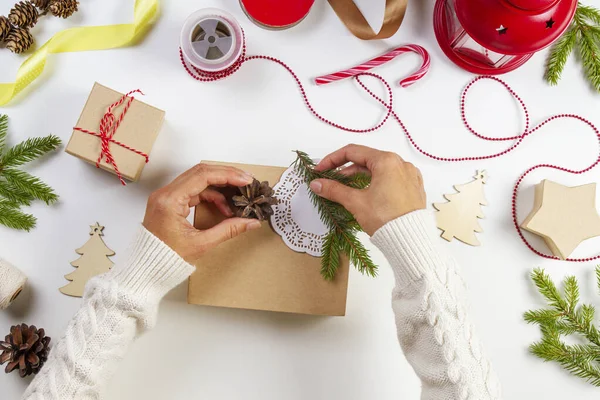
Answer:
(342, 225)
(12, 217)
(14, 195)
(583, 34)
(19, 188)
(560, 54)
(566, 317)
(30, 184)
(29, 150)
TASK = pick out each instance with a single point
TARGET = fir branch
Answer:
(18, 188)
(342, 225)
(30, 185)
(583, 34)
(588, 13)
(14, 218)
(566, 318)
(29, 150)
(331, 256)
(559, 54)
(14, 195)
(590, 56)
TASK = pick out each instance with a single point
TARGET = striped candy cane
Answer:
(382, 59)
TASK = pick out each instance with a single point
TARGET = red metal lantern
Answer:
(497, 36)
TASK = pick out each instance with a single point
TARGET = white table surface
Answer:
(257, 116)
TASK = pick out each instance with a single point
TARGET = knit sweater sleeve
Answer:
(431, 309)
(117, 307)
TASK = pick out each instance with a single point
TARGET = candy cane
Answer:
(382, 59)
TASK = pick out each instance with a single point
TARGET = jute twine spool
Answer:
(12, 282)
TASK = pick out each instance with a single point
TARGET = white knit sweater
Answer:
(429, 302)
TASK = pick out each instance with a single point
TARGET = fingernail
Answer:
(316, 186)
(253, 225)
(248, 177)
(228, 212)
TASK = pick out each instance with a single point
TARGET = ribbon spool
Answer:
(12, 282)
(276, 14)
(211, 40)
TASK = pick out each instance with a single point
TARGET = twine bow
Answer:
(108, 126)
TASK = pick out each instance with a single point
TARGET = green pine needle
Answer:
(589, 13)
(559, 55)
(590, 55)
(30, 185)
(342, 225)
(29, 150)
(583, 34)
(331, 256)
(14, 195)
(19, 188)
(566, 317)
(14, 218)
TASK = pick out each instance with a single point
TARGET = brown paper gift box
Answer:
(258, 271)
(139, 130)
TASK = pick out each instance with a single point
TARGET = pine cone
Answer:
(41, 4)
(26, 348)
(4, 27)
(19, 40)
(256, 201)
(24, 15)
(63, 8)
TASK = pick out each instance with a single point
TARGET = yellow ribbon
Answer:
(82, 39)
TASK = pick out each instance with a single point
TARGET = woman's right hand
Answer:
(396, 186)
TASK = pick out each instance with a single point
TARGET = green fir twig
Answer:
(342, 225)
(583, 35)
(566, 317)
(19, 188)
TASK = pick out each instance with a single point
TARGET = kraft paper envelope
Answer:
(258, 271)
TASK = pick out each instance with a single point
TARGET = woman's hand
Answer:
(396, 186)
(169, 207)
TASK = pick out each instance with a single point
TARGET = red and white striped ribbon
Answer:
(382, 59)
(108, 127)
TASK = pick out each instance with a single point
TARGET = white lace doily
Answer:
(296, 219)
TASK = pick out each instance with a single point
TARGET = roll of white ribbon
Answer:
(12, 282)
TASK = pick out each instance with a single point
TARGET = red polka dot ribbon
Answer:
(364, 70)
(108, 126)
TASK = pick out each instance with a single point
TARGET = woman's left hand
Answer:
(169, 207)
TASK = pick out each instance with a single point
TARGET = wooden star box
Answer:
(563, 216)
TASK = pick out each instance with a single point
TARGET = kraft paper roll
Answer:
(12, 282)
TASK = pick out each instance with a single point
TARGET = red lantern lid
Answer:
(515, 26)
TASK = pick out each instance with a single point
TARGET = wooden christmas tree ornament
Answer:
(276, 14)
(93, 261)
(458, 218)
(564, 216)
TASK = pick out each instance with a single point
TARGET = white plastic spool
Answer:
(211, 40)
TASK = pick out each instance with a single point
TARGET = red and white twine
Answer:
(108, 126)
(363, 70)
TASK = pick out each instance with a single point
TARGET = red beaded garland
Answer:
(205, 76)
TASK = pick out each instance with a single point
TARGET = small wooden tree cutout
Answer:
(93, 261)
(459, 217)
